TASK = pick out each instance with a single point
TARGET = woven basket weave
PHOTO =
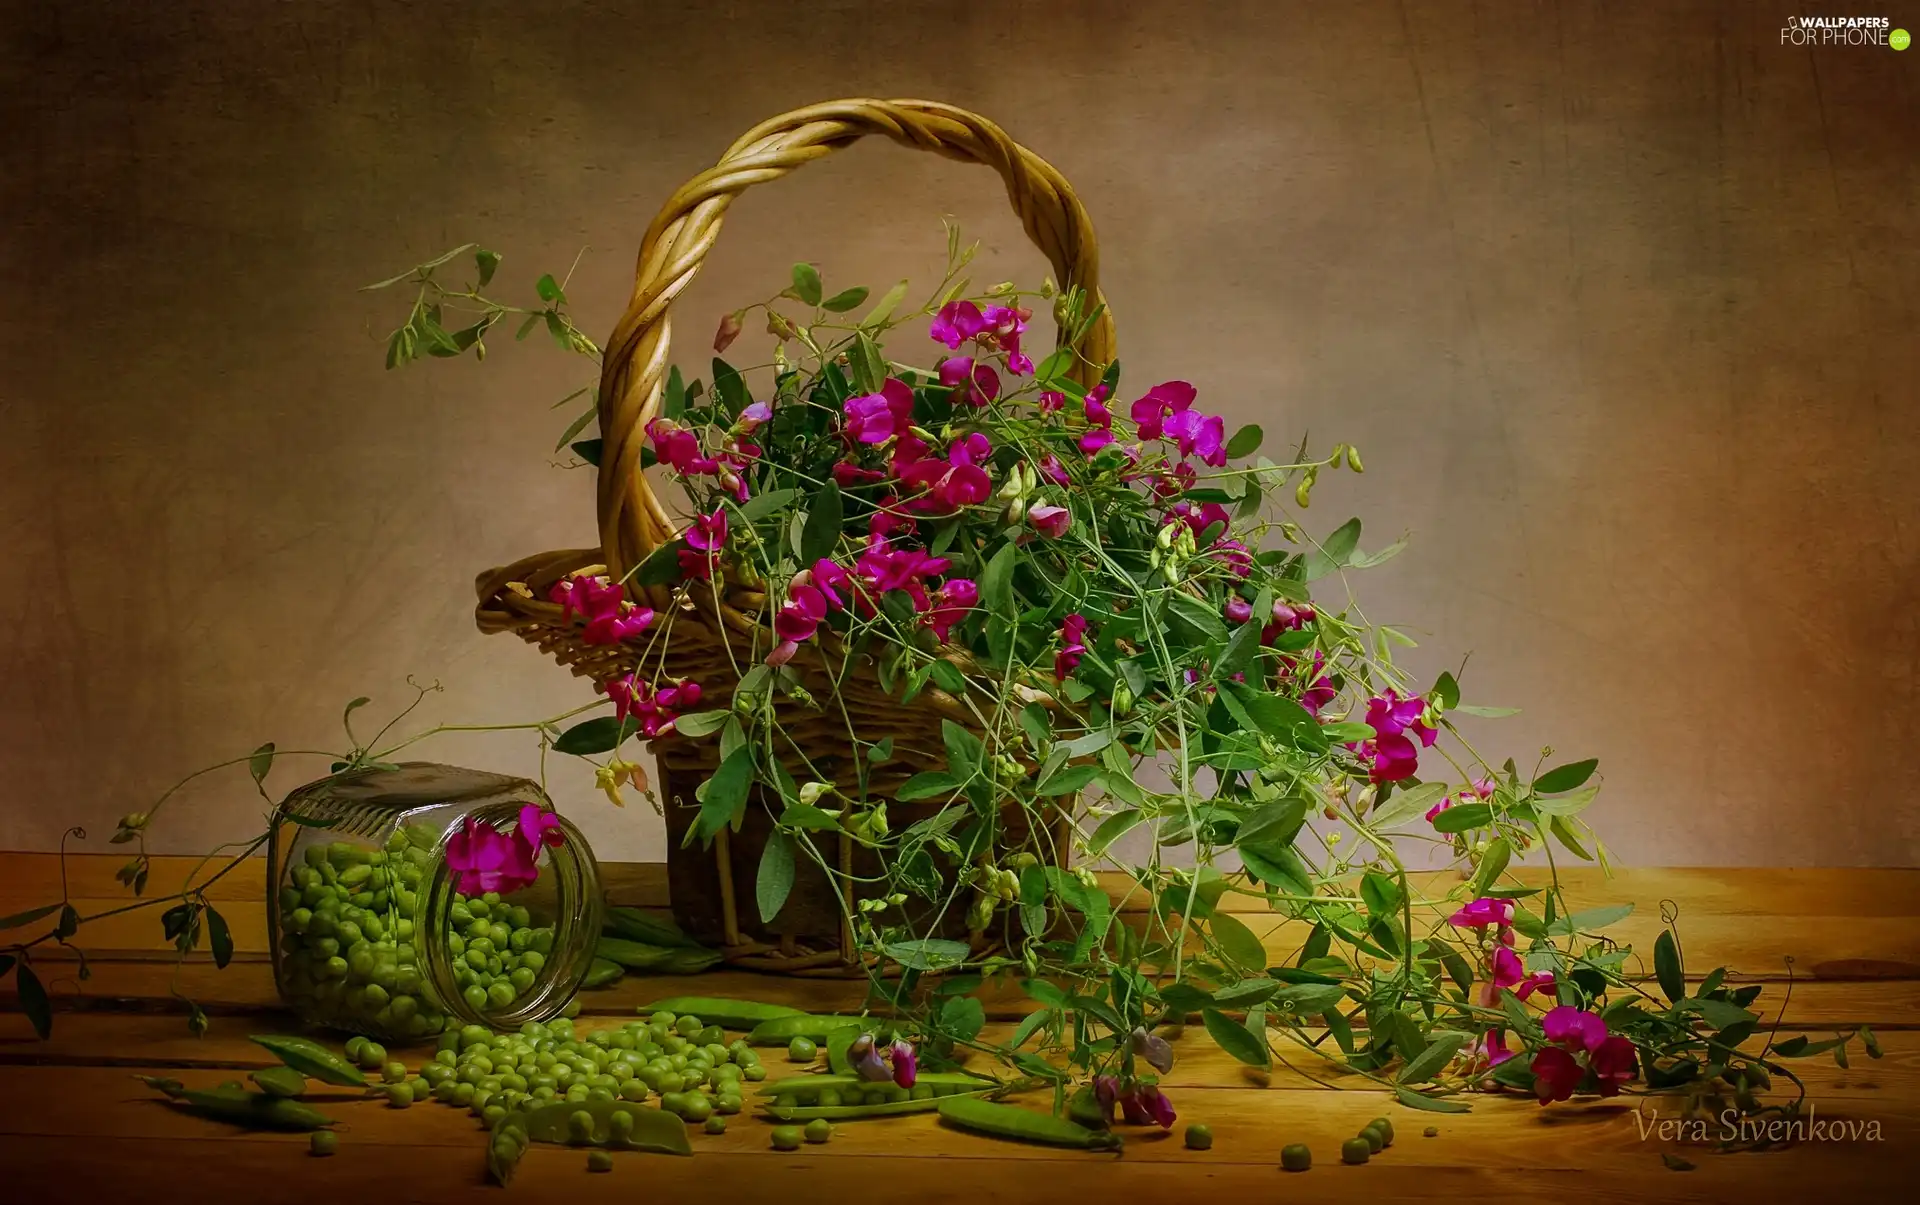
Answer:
(716, 624)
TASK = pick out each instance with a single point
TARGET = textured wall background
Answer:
(1618, 300)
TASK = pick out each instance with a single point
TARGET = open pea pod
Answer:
(1023, 1125)
(651, 1129)
(892, 1108)
(251, 1110)
(312, 1060)
(778, 1031)
(723, 1011)
(941, 1082)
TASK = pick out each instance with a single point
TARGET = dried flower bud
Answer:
(778, 326)
(729, 331)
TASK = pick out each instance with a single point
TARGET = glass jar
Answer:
(374, 932)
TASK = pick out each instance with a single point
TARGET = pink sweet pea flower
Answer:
(1050, 521)
(1202, 435)
(1238, 610)
(1482, 788)
(1073, 630)
(1094, 406)
(1051, 401)
(1145, 1104)
(847, 475)
(750, 421)
(484, 859)
(678, 448)
(538, 827)
(1613, 1064)
(1154, 1049)
(1051, 468)
(1494, 1048)
(957, 322)
(871, 1062)
(1574, 1028)
(906, 1066)
(1485, 911)
(1555, 1074)
(877, 417)
(705, 541)
(982, 383)
(951, 603)
(1005, 325)
(1150, 412)
(1287, 617)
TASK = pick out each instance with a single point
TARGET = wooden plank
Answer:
(123, 1040)
(248, 985)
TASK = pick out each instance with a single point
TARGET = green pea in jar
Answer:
(407, 899)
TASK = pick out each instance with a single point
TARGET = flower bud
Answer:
(1302, 492)
(779, 327)
(134, 821)
(723, 338)
(811, 792)
(1333, 838)
(1047, 287)
(1353, 459)
(1086, 876)
(1022, 860)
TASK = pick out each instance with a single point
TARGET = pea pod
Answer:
(778, 1031)
(254, 1110)
(633, 955)
(312, 1060)
(1022, 1125)
(726, 1013)
(635, 925)
(892, 1108)
(653, 1129)
(279, 1081)
(603, 973)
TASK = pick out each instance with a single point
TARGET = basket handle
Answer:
(632, 380)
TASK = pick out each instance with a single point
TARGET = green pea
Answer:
(1430, 1132)
(599, 1161)
(672, 1102)
(323, 1142)
(662, 1018)
(754, 1073)
(709, 1035)
(493, 1114)
(1356, 1150)
(726, 1102)
(355, 1045)
(715, 1124)
(1385, 1126)
(394, 1073)
(687, 1027)
(500, 995)
(818, 1130)
(786, 1138)
(633, 1089)
(420, 1088)
(802, 1050)
(1374, 1139)
(1295, 1157)
(580, 1127)
(462, 1095)
(543, 1092)
(577, 1092)
(696, 1108)
(399, 1096)
(1199, 1137)
(476, 997)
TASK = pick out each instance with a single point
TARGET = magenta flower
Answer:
(906, 1067)
(1287, 617)
(1101, 418)
(830, 579)
(1234, 555)
(705, 540)
(1494, 1048)
(957, 322)
(1052, 401)
(847, 475)
(882, 568)
(956, 596)
(1150, 412)
(678, 448)
(955, 482)
(1483, 912)
(877, 417)
(1154, 1049)
(982, 383)
(1005, 325)
(1237, 610)
(750, 421)
(656, 710)
(1106, 1092)
(539, 826)
(1391, 754)
(871, 1062)
(1202, 435)
(1613, 1064)
(610, 619)
(1050, 521)
(1319, 691)
(798, 618)
(1073, 630)
(1574, 1028)
(1051, 468)
(484, 859)
(1555, 1074)
(1145, 1104)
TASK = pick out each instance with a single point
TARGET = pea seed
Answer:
(818, 1130)
(420, 1088)
(754, 1073)
(715, 1124)
(394, 1073)
(786, 1138)
(462, 1095)
(399, 1096)
(1355, 1150)
(711, 1035)
(1199, 1137)
(1296, 1157)
(1385, 1126)
(1430, 1132)
(355, 1045)
(578, 1092)
(372, 1055)
(542, 1093)
(802, 1050)
(661, 1018)
(619, 1126)
(727, 1103)
(1374, 1139)
(323, 1142)
(829, 1098)
(599, 1161)
(687, 1027)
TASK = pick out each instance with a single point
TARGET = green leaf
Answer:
(1307, 999)
(761, 505)
(1285, 869)
(947, 676)
(69, 923)
(806, 816)
(1565, 778)
(1030, 1023)
(589, 450)
(1242, 647)
(806, 284)
(1055, 366)
(599, 735)
(28, 917)
(1570, 804)
(262, 759)
(574, 428)
(1403, 806)
(1562, 827)
(487, 262)
(33, 1000)
(1380, 894)
(1666, 967)
(1246, 993)
(549, 289)
(996, 580)
(1237, 941)
(725, 794)
(845, 300)
(927, 953)
(1278, 717)
(1493, 864)
(219, 938)
(1463, 816)
(1112, 829)
(825, 517)
(1333, 552)
(1441, 1049)
(963, 748)
(928, 784)
(1590, 921)
(1273, 827)
(869, 366)
(774, 882)
(1067, 780)
(1446, 691)
(883, 309)
(701, 723)
(1367, 560)
(1195, 619)
(1245, 441)
(1718, 1013)
(1431, 1104)
(1236, 1039)
(963, 1017)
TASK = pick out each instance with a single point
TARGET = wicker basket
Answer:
(809, 936)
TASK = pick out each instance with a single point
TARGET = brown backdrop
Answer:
(1617, 299)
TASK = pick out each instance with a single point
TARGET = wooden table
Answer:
(75, 1126)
